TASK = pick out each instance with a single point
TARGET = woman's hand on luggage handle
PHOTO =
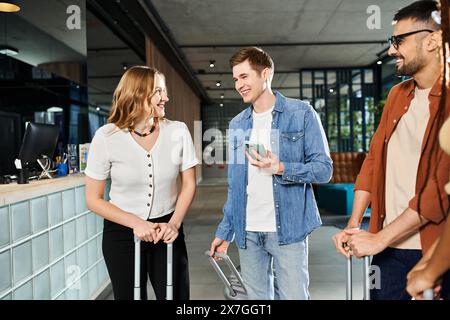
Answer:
(218, 245)
(145, 230)
(168, 232)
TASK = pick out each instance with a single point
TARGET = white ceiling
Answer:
(40, 30)
(256, 22)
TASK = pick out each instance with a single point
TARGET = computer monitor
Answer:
(39, 141)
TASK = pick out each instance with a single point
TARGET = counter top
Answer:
(13, 193)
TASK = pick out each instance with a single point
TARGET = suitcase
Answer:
(234, 285)
(137, 270)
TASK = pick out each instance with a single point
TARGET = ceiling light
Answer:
(9, 6)
(55, 109)
(379, 62)
(222, 96)
(221, 105)
(212, 63)
(124, 66)
(331, 90)
(218, 84)
(8, 50)
(98, 108)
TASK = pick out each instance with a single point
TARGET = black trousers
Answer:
(395, 264)
(118, 251)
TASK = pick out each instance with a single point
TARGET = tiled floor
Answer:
(327, 268)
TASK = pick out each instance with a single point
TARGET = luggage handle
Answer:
(428, 294)
(366, 284)
(137, 270)
(222, 276)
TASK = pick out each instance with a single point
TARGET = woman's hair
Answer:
(136, 85)
(441, 114)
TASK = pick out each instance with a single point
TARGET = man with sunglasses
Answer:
(395, 178)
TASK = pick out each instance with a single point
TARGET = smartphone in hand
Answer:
(253, 148)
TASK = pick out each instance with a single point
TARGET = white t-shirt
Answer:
(142, 183)
(260, 202)
(402, 162)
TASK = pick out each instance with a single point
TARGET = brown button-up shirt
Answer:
(434, 200)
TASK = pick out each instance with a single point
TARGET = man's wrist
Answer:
(430, 274)
(384, 237)
(353, 224)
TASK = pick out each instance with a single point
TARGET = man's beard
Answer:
(412, 67)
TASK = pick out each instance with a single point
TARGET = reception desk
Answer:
(50, 243)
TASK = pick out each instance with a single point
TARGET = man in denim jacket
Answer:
(271, 208)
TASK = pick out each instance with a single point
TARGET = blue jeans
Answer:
(262, 255)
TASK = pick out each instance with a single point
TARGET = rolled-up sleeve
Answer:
(434, 202)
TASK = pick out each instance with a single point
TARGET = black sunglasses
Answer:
(397, 40)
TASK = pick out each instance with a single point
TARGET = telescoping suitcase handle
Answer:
(137, 270)
(428, 294)
(366, 284)
(222, 276)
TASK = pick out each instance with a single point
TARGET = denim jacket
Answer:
(299, 141)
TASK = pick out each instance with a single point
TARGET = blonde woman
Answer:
(143, 154)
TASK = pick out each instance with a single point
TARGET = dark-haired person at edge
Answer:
(428, 273)
(144, 154)
(409, 205)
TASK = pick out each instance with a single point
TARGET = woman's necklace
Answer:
(142, 135)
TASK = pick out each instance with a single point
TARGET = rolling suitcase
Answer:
(137, 270)
(234, 285)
